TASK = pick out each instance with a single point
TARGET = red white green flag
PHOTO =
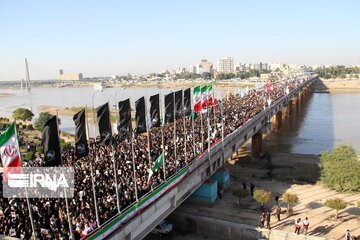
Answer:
(207, 98)
(197, 99)
(9, 148)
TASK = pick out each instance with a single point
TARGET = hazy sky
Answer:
(100, 38)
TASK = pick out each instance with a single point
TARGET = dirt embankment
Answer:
(337, 85)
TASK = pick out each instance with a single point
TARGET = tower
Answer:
(28, 85)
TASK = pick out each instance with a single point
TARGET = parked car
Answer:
(163, 228)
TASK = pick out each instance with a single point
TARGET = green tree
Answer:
(262, 196)
(290, 199)
(22, 114)
(240, 193)
(336, 204)
(42, 119)
(358, 204)
(206, 75)
(340, 169)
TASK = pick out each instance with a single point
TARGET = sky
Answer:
(104, 38)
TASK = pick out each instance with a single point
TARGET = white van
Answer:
(163, 228)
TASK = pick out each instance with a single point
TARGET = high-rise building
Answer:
(225, 64)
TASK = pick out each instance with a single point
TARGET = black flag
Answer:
(178, 104)
(51, 144)
(125, 117)
(187, 102)
(169, 107)
(103, 117)
(81, 145)
(155, 110)
(140, 115)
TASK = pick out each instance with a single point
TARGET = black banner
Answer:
(187, 102)
(155, 111)
(178, 104)
(81, 145)
(140, 115)
(169, 107)
(51, 144)
(103, 117)
(124, 125)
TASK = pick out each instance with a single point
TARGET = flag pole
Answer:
(66, 199)
(114, 166)
(193, 127)
(91, 172)
(174, 118)
(133, 162)
(222, 125)
(201, 120)
(26, 193)
(148, 134)
(162, 139)
(183, 115)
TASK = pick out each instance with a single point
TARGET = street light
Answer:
(116, 108)
(93, 108)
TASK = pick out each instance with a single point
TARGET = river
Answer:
(322, 122)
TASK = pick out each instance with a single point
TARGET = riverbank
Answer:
(312, 196)
(337, 85)
(2, 95)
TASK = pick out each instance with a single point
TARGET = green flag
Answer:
(158, 163)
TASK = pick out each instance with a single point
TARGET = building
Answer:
(204, 66)
(70, 76)
(225, 64)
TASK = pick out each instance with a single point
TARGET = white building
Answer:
(225, 64)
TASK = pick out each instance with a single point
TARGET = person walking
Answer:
(347, 235)
(298, 226)
(278, 212)
(268, 216)
(252, 187)
(305, 225)
(244, 185)
(277, 196)
(262, 219)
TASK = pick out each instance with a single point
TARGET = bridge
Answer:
(139, 219)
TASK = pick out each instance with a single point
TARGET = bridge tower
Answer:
(28, 84)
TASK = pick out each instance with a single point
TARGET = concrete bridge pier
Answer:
(290, 107)
(256, 146)
(277, 121)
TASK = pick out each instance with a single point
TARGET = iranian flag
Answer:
(9, 149)
(207, 98)
(197, 99)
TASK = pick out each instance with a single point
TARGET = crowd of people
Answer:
(180, 142)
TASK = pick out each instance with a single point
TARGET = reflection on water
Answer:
(324, 121)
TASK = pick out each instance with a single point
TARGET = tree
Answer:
(206, 75)
(240, 193)
(336, 204)
(42, 119)
(290, 199)
(358, 204)
(262, 196)
(22, 114)
(340, 169)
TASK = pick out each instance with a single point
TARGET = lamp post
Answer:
(93, 109)
(116, 108)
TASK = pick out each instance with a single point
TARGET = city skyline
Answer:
(101, 39)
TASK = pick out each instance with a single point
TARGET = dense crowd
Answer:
(192, 136)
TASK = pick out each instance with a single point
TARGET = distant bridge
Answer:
(139, 219)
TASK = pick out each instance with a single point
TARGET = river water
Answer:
(322, 122)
